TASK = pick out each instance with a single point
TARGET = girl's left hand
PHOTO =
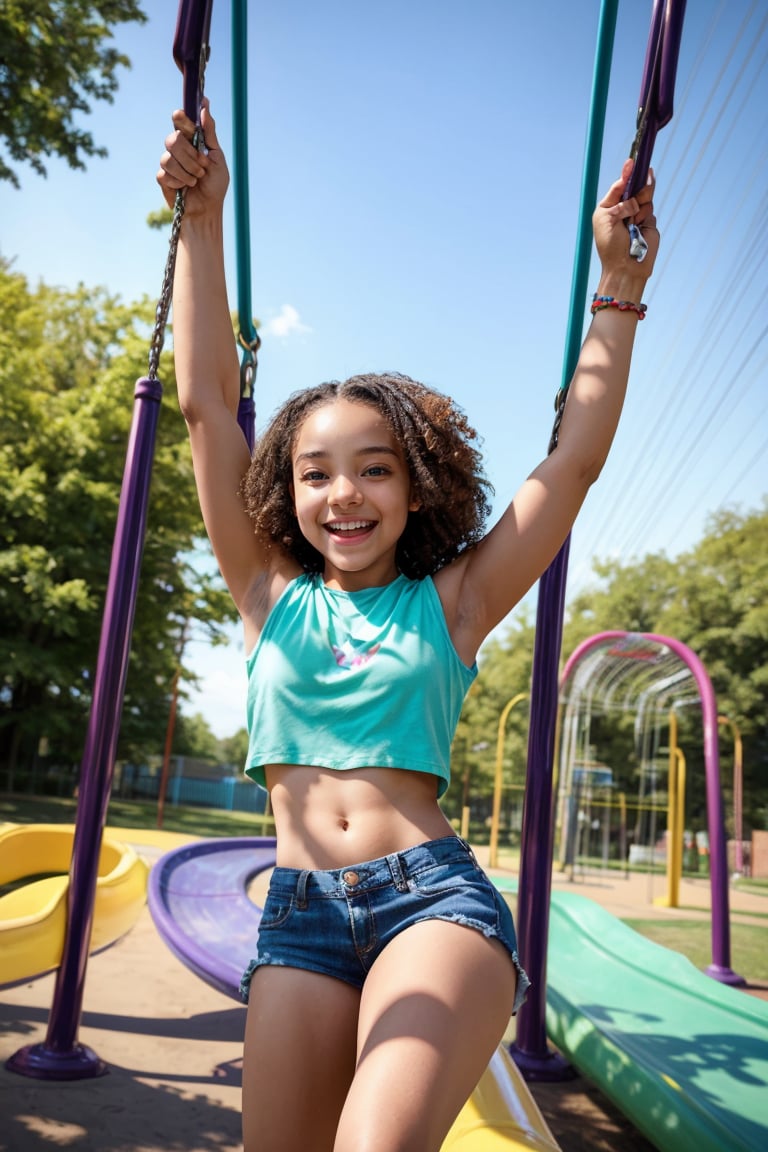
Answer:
(609, 223)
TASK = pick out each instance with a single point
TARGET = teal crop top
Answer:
(355, 680)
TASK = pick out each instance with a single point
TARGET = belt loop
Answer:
(301, 889)
(398, 872)
(469, 849)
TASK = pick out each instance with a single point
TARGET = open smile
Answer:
(349, 529)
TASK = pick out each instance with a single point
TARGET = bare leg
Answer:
(433, 1009)
(299, 1058)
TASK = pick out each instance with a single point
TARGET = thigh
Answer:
(299, 1059)
(434, 1008)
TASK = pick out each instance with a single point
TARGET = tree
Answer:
(504, 672)
(234, 749)
(713, 598)
(55, 59)
(194, 738)
(67, 372)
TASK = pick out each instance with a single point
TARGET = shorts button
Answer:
(350, 878)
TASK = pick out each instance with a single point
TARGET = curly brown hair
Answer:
(437, 441)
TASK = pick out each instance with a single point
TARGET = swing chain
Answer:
(166, 292)
(249, 364)
(559, 409)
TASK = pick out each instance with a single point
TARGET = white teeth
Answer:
(349, 526)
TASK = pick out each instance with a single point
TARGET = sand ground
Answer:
(173, 1050)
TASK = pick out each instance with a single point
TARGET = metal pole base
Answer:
(550, 1068)
(725, 975)
(42, 1063)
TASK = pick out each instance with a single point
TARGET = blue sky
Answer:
(415, 173)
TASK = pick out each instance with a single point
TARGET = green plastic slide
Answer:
(683, 1057)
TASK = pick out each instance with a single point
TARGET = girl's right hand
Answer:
(203, 175)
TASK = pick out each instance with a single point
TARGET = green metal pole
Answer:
(530, 1049)
(240, 153)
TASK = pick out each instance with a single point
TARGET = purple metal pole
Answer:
(530, 1050)
(720, 968)
(60, 1056)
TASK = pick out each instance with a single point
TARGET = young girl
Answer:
(352, 543)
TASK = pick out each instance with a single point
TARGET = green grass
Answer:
(134, 814)
(749, 955)
(750, 884)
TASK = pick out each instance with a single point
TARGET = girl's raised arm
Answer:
(484, 584)
(207, 369)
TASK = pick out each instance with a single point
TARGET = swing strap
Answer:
(191, 51)
(656, 104)
(655, 112)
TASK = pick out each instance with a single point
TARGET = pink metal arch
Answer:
(720, 968)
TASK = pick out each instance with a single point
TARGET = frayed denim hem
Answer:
(521, 991)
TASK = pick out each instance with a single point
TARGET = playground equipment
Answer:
(60, 1055)
(676, 822)
(198, 897)
(683, 1056)
(498, 779)
(33, 915)
(642, 673)
(738, 792)
(655, 108)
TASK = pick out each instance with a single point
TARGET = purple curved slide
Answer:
(198, 898)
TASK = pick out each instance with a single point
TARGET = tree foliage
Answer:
(714, 598)
(504, 673)
(67, 372)
(56, 58)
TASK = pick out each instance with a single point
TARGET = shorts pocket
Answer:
(443, 878)
(277, 908)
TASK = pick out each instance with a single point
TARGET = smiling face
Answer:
(352, 493)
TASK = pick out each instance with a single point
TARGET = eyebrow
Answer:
(371, 450)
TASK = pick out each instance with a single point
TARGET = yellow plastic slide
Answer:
(33, 916)
(500, 1115)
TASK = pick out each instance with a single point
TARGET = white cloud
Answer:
(286, 323)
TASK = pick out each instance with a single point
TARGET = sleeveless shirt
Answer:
(362, 679)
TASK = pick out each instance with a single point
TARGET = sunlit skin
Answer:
(352, 493)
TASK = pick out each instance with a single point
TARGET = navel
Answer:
(343, 823)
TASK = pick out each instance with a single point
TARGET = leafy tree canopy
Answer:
(56, 58)
(68, 368)
(714, 598)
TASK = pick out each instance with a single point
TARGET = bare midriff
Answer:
(331, 819)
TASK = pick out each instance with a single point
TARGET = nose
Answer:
(343, 491)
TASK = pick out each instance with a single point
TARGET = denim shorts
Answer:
(338, 921)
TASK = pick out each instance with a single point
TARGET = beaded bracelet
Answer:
(601, 302)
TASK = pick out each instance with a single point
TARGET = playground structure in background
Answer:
(654, 678)
(600, 825)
